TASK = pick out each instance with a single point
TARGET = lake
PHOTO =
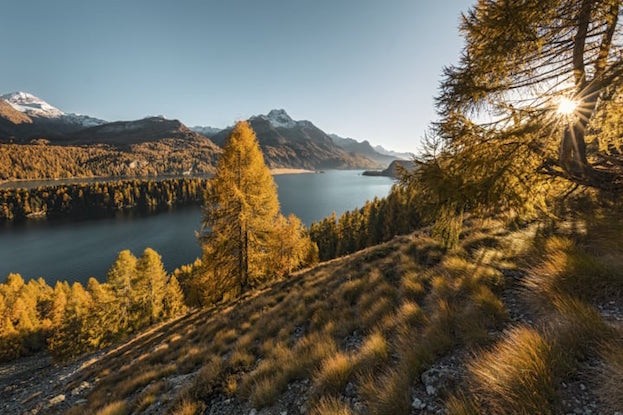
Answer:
(75, 250)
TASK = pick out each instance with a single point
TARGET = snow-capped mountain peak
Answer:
(32, 105)
(206, 130)
(279, 118)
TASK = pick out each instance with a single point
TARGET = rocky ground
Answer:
(35, 385)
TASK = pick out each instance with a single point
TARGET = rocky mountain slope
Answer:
(127, 133)
(298, 144)
(42, 141)
(47, 120)
(362, 147)
(27, 119)
(400, 328)
(206, 130)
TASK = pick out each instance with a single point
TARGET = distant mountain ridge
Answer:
(206, 130)
(37, 108)
(395, 154)
(362, 147)
(44, 142)
(298, 144)
(286, 143)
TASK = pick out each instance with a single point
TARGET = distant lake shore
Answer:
(30, 183)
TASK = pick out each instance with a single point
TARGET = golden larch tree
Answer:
(240, 218)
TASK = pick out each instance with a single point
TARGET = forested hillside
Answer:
(92, 200)
(167, 156)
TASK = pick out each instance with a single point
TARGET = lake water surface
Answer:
(73, 251)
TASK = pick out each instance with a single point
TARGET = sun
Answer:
(567, 106)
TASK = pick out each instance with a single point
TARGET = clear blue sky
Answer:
(367, 69)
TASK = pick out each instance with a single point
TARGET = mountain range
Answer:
(300, 144)
(28, 120)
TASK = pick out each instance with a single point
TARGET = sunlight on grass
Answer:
(114, 408)
(516, 375)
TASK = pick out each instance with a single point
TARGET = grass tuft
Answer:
(331, 406)
(114, 408)
(373, 352)
(567, 269)
(389, 394)
(333, 374)
(187, 407)
(516, 375)
(611, 378)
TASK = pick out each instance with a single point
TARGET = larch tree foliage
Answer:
(120, 277)
(524, 106)
(173, 302)
(151, 287)
(241, 219)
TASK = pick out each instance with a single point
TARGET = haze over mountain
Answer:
(395, 154)
(361, 147)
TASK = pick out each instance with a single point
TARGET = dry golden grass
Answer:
(114, 408)
(406, 303)
(266, 382)
(389, 393)
(568, 268)
(516, 376)
(187, 407)
(333, 374)
(611, 377)
(148, 396)
(204, 382)
(139, 380)
(460, 405)
(373, 352)
(331, 406)
(577, 329)
(240, 358)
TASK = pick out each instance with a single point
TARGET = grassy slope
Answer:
(353, 335)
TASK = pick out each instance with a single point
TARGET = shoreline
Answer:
(14, 183)
(278, 171)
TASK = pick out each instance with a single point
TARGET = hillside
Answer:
(41, 141)
(298, 144)
(402, 327)
(393, 170)
(170, 156)
(362, 147)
